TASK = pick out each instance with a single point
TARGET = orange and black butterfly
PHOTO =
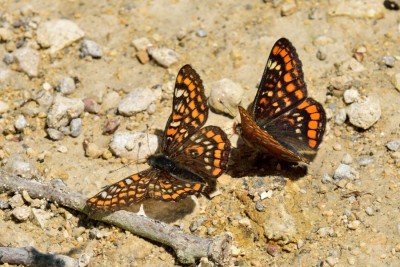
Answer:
(282, 121)
(190, 159)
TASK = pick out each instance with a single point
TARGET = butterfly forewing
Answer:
(282, 86)
(189, 110)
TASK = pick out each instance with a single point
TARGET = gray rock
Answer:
(197, 223)
(165, 57)
(393, 145)
(260, 206)
(17, 165)
(44, 99)
(325, 231)
(8, 58)
(201, 33)
(341, 82)
(345, 171)
(16, 201)
(28, 61)
(137, 101)
(135, 146)
(54, 134)
(41, 217)
(76, 127)
(4, 205)
(364, 114)
(326, 179)
(63, 111)
(22, 213)
(389, 61)
(351, 96)
(91, 48)
(66, 86)
(225, 96)
(20, 123)
(340, 116)
(365, 160)
(57, 34)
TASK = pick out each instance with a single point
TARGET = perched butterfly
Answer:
(282, 121)
(191, 157)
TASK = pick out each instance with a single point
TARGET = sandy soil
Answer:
(302, 221)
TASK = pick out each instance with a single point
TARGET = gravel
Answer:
(137, 101)
(225, 96)
(91, 48)
(165, 57)
(364, 114)
(28, 61)
(66, 86)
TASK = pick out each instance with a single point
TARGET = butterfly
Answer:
(282, 121)
(190, 158)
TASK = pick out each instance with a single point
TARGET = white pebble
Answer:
(340, 116)
(66, 86)
(135, 146)
(266, 194)
(351, 96)
(225, 96)
(62, 149)
(345, 172)
(393, 145)
(28, 60)
(91, 48)
(163, 56)
(364, 114)
(57, 34)
(22, 213)
(347, 159)
(353, 225)
(396, 80)
(20, 123)
(369, 211)
(141, 44)
(63, 111)
(137, 101)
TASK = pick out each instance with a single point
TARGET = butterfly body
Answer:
(282, 121)
(190, 158)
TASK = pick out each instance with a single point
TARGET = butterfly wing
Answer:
(301, 129)
(282, 85)
(148, 183)
(206, 152)
(189, 110)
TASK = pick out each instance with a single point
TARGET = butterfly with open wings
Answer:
(190, 158)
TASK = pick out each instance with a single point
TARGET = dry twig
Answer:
(188, 248)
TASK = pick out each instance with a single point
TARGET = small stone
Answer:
(332, 261)
(326, 179)
(165, 57)
(337, 147)
(20, 123)
(260, 206)
(62, 149)
(288, 8)
(369, 211)
(92, 150)
(235, 251)
(265, 194)
(16, 201)
(393, 145)
(57, 34)
(137, 101)
(353, 225)
(22, 213)
(197, 223)
(201, 33)
(341, 82)
(389, 61)
(76, 127)
(63, 111)
(47, 86)
(345, 172)
(142, 56)
(4, 205)
(4, 107)
(110, 101)
(91, 106)
(340, 116)
(351, 96)
(28, 60)
(8, 58)
(91, 48)
(323, 40)
(273, 250)
(396, 81)
(5, 35)
(325, 231)
(321, 55)
(225, 96)
(26, 196)
(17, 165)
(364, 114)
(135, 146)
(41, 217)
(300, 243)
(111, 126)
(347, 159)
(54, 134)
(245, 222)
(66, 86)
(211, 230)
(365, 160)
(141, 44)
(351, 65)
(357, 9)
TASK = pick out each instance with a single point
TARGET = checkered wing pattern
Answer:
(149, 183)
(282, 86)
(189, 110)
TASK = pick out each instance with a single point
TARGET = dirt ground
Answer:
(279, 215)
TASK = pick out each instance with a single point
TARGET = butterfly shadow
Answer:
(245, 162)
